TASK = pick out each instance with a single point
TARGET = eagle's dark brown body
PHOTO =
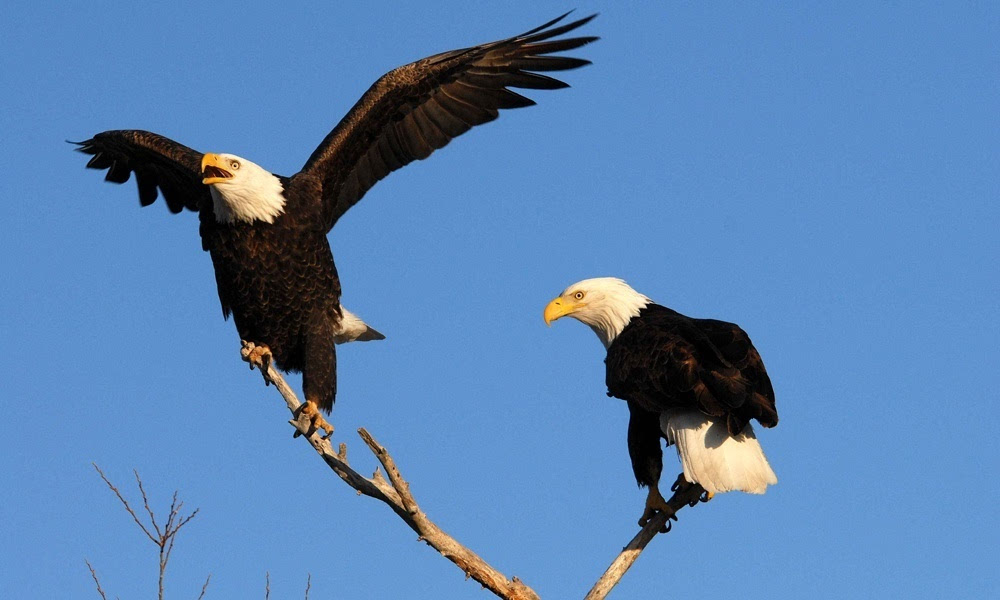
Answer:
(280, 284)
(275, 272)
(664, 360)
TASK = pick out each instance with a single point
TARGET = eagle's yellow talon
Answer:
(316, 421)
(259, 357)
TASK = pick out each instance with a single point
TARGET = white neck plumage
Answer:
(252, 195)
(610, 304)
(610, 323)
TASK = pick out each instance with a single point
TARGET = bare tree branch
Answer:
(164, 538)
(395, 493)
(660, 523)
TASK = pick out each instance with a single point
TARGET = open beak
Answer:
(558, 308)
(212, 171)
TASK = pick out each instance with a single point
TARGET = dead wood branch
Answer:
(660, 523)
(395, 493)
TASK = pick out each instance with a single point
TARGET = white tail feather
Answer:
(715, 459)
(353, 329)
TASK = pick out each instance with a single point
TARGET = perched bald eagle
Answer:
(695, 382)
(267, 233)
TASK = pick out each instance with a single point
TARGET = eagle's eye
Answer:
(578, 295)
(235, 165)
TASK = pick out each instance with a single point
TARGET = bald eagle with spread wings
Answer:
(695, 382)
(267, 233)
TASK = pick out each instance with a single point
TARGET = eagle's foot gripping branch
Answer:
(656, 504)
(310, 410)
(257, 356)
(682, 485)
(684, 491)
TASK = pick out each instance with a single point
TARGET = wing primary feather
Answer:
(119, 172)
(538, 35)
(555, 46)
(98, 161)
(531, 81)
(548, 63)
(469, 113)
(499, 98)
(147, 188)
(547, 25)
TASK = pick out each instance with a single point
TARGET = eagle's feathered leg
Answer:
(319, 377)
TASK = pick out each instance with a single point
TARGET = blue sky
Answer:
(825, 176)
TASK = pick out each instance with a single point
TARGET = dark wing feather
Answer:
(157, 162)
(734, 344)
(665, 360)
(415, 109)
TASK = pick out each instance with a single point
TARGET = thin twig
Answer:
(145, 502)
(395, 494)
(267, 585)
(125, 503)
(204, 587)
(97, 582)
(309, 579)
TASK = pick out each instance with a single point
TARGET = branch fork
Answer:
(394, 491)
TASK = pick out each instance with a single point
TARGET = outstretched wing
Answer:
(668, 360)
(415, 109)
(157, 162)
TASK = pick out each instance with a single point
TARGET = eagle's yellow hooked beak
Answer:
(559, 308)
(212, 169)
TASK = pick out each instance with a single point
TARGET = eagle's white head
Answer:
(241, 190)
(606, 304)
